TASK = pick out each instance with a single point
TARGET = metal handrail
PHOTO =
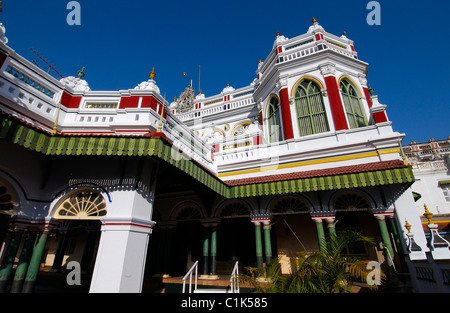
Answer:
(234, 280)
(189, 273)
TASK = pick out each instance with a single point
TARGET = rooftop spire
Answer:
(81, 73)
(428, 215)
(315, 27)
(152, 73)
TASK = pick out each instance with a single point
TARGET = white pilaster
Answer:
(121, 256)
(403, 209)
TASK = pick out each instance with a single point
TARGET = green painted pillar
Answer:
(24, 261)
(205, 254)
(398, 244)
(267, 243)
(258, 242)
(331, 226)
(385, 237)
(8, 260)
(35, 263)
(320, 234)
(213, 270)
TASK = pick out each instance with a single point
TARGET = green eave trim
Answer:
(444, 182)
(25, 136)
(336, 182)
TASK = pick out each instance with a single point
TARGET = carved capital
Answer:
(362, 79)
(282, 83)
(328, 69)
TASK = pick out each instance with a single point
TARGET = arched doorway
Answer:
(78, 233)
(236, 238)
(293, 228)
(354, 213)
(187, 243)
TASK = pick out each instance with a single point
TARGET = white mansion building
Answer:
(131, 186)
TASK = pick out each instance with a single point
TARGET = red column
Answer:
(286, 114)
(367, 94)
(337, 109)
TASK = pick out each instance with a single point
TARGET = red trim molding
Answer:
(337, 109)
(286, 114)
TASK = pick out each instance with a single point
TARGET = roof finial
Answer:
(428, 215)
(371, 91)
(278, 33)
(314, 20)
(152, 73)
(408, 226)
(81, 73)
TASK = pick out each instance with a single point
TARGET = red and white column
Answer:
(285, 110)
(337, 108)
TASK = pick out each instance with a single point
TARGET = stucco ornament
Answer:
(150, 84)
(3, 38)
(315, 28)
(75, 83)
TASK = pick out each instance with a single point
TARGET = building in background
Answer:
(430, 162)
(131, 186)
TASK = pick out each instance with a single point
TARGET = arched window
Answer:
(311, 115)
(83, 204)
(274, 120)
(352, 105)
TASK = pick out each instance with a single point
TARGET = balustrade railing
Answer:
(192, 271)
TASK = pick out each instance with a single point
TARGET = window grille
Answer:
(274, 120)
(311, 114)
(352, 105)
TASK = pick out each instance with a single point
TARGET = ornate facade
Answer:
(131, 186)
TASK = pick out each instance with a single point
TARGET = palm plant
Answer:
(327, 271)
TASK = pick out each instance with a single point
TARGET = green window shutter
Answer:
(352, 104)
(311, 114)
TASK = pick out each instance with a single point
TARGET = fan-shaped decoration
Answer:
(351, 202)
(85, 204)
(235, 210)
(241, 129)
(188, 213)
(289, 206)
(8, 204)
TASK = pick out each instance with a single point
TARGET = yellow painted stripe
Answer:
(437, 222)
(312, 162)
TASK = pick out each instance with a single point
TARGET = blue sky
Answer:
(118, 43)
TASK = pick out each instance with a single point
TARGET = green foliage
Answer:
(327, 271)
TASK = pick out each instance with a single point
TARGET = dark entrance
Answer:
(235, 242)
